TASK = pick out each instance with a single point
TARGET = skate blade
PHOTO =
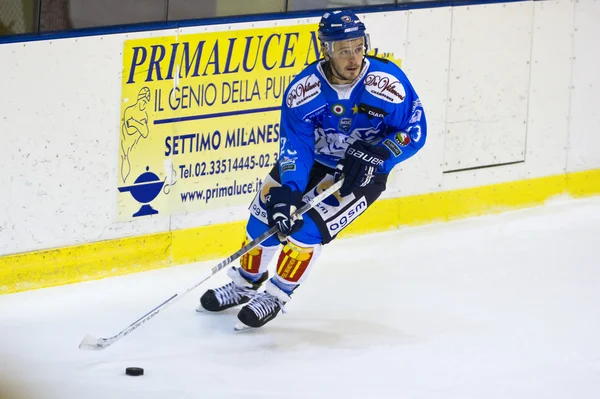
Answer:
(239, 327)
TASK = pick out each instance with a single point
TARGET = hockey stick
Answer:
(91, 342)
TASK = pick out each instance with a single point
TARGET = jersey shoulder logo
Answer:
(303, 91)
(385, 86)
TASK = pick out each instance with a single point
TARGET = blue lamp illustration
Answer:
(144, 190)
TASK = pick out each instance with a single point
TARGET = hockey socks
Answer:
(256, 262)
(294, 264)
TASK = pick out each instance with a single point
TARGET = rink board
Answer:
(33, 270)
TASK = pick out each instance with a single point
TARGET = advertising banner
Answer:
(200, 116)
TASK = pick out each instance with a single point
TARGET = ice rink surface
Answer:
(504, 306)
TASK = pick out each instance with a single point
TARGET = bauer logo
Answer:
(337, 224)
(385, 86)
(365, 157)
(303, 91)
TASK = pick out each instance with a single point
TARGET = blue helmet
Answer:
(340, 25)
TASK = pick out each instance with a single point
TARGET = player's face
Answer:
(346, 58)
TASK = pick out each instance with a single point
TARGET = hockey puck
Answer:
(134, 371)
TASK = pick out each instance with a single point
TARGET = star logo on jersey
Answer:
(338, 109)
(355, 109)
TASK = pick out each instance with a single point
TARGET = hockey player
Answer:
(348, 115)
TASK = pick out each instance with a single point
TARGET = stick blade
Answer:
(90, 342)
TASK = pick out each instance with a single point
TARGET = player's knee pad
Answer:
(295, 261)
(256, 262)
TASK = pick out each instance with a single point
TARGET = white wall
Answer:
(493, 92)
(584, 128)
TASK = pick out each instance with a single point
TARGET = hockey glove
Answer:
(281, 204)
(359, 165)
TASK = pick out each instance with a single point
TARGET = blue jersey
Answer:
(319, 120)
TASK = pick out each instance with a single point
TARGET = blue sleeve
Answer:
(296, 148)
(407, 131)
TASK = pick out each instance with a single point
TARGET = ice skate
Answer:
(263, 308)
(237, 292)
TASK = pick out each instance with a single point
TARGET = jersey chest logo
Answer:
(303, 91)
(344, 124)
(338, 109)
(385, 86)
